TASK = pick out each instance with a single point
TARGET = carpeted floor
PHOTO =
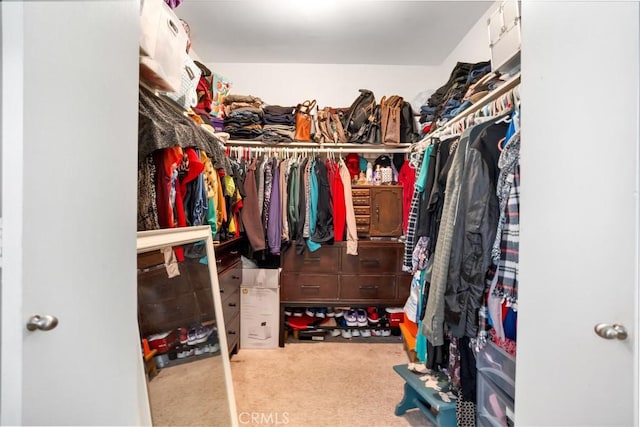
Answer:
(310, 384)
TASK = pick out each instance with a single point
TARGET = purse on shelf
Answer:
(330, 127)
(304, 121)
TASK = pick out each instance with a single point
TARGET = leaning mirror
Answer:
(183, 338)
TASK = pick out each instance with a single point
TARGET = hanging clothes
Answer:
(475, 233)
(250, 214)
(323, 230)
(274, 221)
(433, 325)
(352, 233)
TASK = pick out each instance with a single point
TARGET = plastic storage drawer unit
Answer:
(499, 366)
(495, 408)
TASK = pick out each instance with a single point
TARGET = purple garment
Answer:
(274, 224)
(173, 3)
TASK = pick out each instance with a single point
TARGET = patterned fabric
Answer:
(268, 185)
(412, 221)
(420, 254)
(147, 207)
(507, 272)
(466, 413)
(454, 364)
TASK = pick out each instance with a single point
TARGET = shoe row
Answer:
(196, 335)
(354, 316)
(197, 351)
(364, 333)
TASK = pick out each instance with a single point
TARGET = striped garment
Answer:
(507, 283)
(412, 221)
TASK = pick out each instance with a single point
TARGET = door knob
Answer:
(610, 332)
(44, 323)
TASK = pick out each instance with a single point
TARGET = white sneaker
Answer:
(346, 333)
(335, 332)
(366, 333)
(386, 332)
(355, 333)
(376, 332)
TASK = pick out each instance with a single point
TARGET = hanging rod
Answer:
(488, 98)
(321, 148)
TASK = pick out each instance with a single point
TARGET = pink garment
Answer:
(352, 232)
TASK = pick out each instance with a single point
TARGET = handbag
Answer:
(391, 110)
(304, 121)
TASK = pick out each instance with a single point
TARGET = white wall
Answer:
(334, 85)
(473, 48)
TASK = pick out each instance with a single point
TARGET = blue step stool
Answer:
(416, 395)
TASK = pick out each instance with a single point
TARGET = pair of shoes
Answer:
(381, 332)
(316, 312)
(356, 317)
(335, 332)
(355, 333)
(198, 335)
(372, 315)
(365, 333)
(346, 333)
(182, 332)
(297, 311)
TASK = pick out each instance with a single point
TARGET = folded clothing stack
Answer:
(243, 117)
(279, 124)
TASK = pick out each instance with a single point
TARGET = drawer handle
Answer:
(232, 304)
(231, 332)
(311, 260)
(370, 261)
(222, 290)
(310, 287)
(233, 252)
(369, 288)
(235, 277)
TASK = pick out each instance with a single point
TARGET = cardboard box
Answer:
(259, 308)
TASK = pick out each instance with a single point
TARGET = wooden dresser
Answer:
(330, 277)
(378, 210)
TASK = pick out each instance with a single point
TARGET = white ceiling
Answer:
(392, 32)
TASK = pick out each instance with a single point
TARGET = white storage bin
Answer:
(504, 37)
(499, 366)
(163, 43)
(494, 407)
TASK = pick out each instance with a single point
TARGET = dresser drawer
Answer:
(362, 229)
(227, 254)
(498, 366)
(359, 192)
(233, 332)
(231, 305)
(368, 288)
(362, 210)
(324, 260)
(404, 286)
(308, 287)
(361, 201)
(371, 260)
(230, 280)
(363, 220)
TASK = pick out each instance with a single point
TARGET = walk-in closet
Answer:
(320, 213)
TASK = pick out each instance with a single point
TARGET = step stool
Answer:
(428, 400)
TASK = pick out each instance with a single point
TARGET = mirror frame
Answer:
(157, 239)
